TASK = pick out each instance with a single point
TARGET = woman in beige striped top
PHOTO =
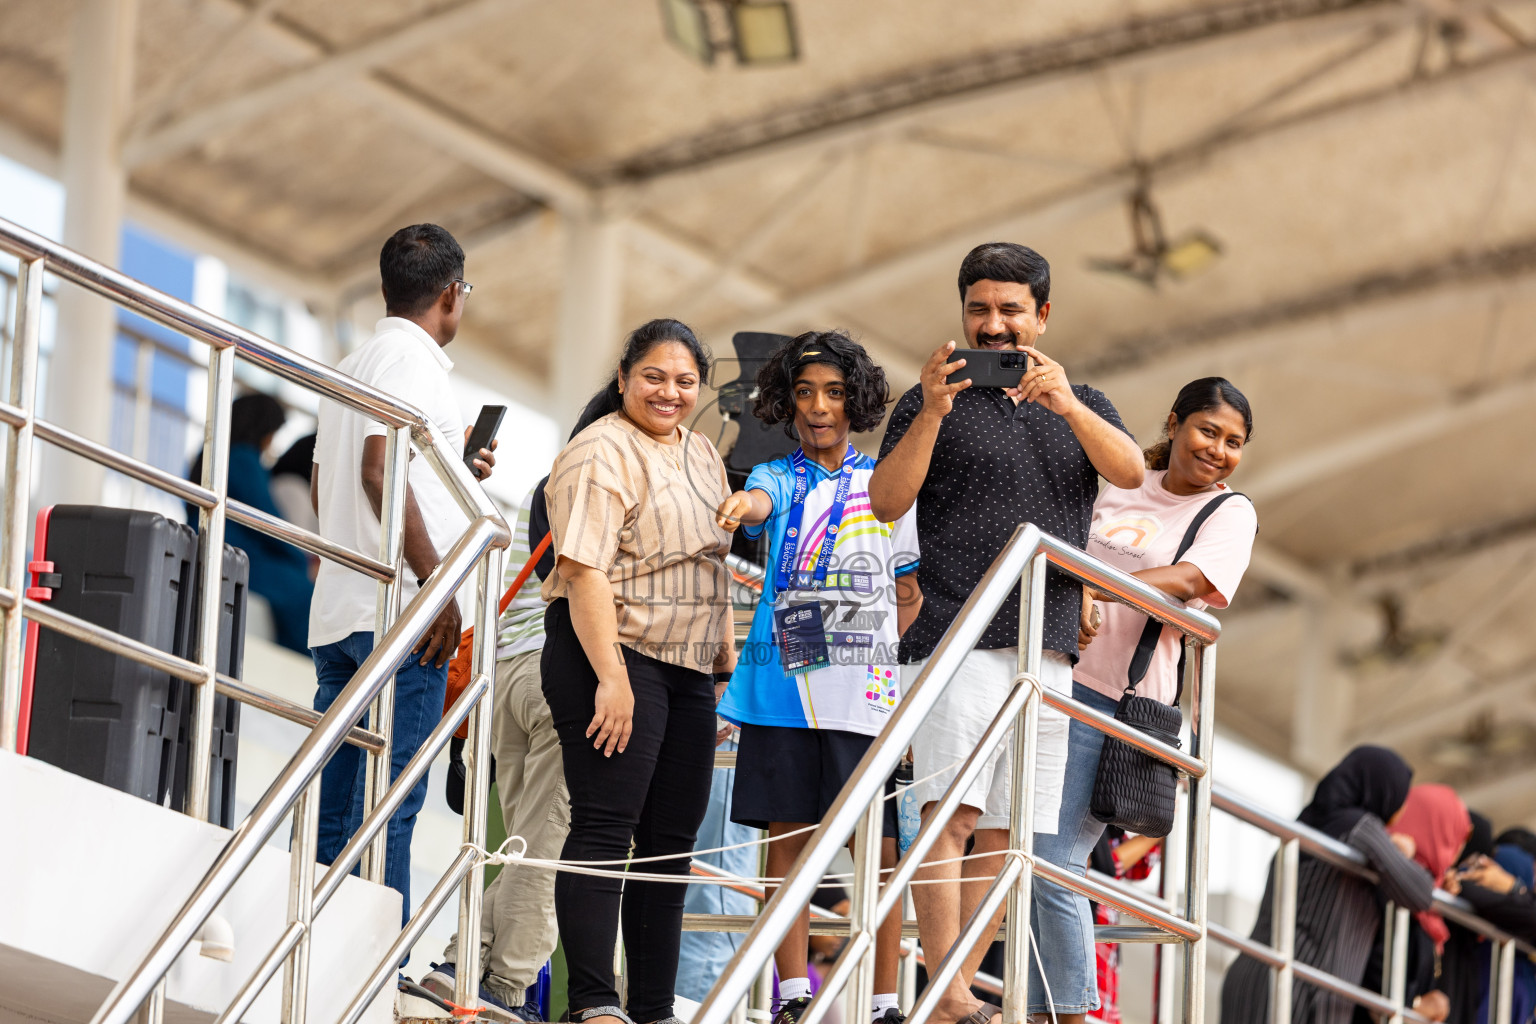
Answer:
(638, 642)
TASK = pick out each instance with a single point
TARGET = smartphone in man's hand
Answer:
(991, 368)
(483, 434)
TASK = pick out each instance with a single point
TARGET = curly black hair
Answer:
(867, 392)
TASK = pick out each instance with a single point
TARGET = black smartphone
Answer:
(990, 367)
(483, 434)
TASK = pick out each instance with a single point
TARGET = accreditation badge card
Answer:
(801, 636)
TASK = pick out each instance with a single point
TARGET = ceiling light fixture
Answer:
(1153, 257)
(688, 27)
(759, 32)
(763, 33)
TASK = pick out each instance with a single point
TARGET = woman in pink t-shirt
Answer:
(1139, 531)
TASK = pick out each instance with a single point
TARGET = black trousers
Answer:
(653, 795)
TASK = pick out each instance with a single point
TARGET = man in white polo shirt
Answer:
(422, 268)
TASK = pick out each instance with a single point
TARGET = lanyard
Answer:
(786, 568)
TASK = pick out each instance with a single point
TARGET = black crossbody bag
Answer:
(1134, 790)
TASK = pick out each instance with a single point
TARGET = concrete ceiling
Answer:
(1368, 168)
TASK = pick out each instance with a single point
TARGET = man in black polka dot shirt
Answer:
(978, 462)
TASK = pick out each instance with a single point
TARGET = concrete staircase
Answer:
(89, 875)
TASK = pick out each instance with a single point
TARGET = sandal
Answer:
(981, 1016)
(601, 1011)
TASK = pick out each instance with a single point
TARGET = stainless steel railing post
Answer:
(1202, 742)
(864, 901)
(1395, 949)
(381, 714)
(761, 997)
(1170, 884)
(906, 989)
(301, 901)
(152, 1010)
(1503, 993)
(1021, 810)
(477, 781)
(143, 405)
(22, 393)
(1283, 914)
(210, 547)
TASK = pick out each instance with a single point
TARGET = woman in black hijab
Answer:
(1337, 915)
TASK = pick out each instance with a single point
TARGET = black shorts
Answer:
(791, 775)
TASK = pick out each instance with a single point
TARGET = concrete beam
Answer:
(692, 260)
(158, 142)
(520, 170)
(1439, 717)
(1518, 789)
(175, 227)
(1288, 575)
(1107, 188)
(1386, 439)
(977, 81)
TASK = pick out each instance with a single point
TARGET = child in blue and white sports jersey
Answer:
(818, 677)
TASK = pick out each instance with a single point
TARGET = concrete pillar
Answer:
(95, 108)
(589, 333)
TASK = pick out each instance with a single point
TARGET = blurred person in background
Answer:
(1495, 878)
(1517, 836)
(639, 643)
(1435, 824)
(517, 928)
(422, 273)
(1508, 876)
(1141, 531)
(1118, 855)
(703, 955)
(1463, 948)
(1337, 915)
(279, 571)
(292, 475)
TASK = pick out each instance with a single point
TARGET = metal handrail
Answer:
(296, 789)
(1022, 559)
(1351, 861)
(187, 319)
(1166, 927)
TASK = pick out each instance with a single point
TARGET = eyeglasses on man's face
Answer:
(464, 286)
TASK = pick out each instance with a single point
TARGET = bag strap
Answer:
(1152, 632)
(522, 577)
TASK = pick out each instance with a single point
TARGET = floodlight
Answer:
(763, 33)
(1191, 254)
(688, 28)
(1152, 256)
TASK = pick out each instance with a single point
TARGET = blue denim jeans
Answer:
(418, 708)
(704, 954)
(1062, 920)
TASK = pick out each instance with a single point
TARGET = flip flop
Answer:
(981, 1016)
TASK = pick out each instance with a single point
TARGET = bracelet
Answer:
(721, 677)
